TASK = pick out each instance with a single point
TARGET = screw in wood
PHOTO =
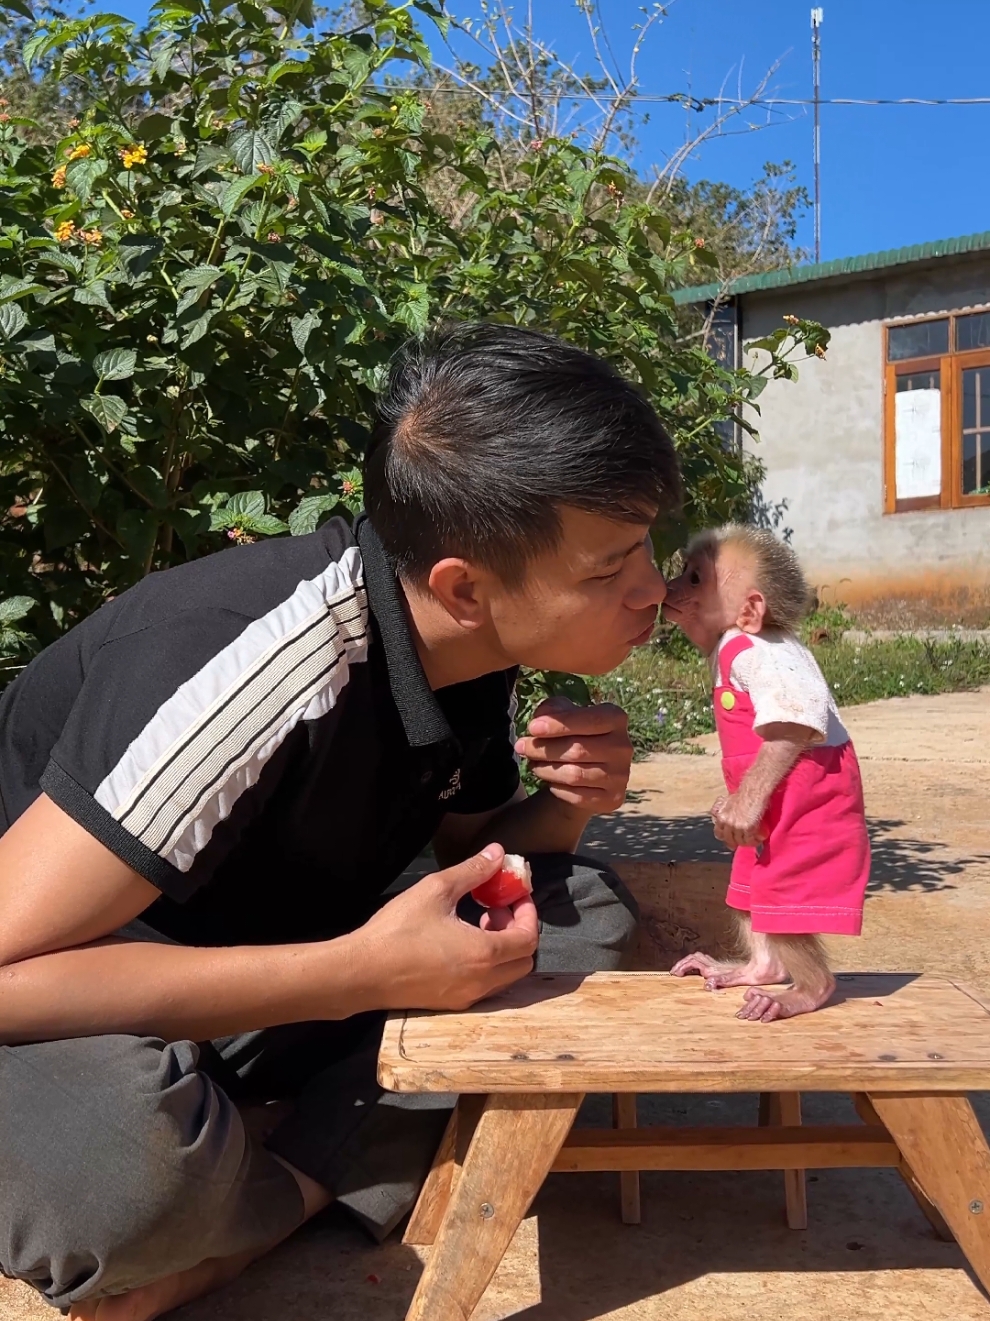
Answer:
(976, 1206)
(487, 1210)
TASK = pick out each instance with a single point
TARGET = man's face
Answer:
(584, 606)
(707, 598)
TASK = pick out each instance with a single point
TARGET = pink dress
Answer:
(810, 874)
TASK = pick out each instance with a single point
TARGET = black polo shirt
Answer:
(254, 734)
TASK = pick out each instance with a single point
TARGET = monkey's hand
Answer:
(738, 820)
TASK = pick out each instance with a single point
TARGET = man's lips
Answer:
(644, 637)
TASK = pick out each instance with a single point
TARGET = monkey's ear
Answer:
(753, 612)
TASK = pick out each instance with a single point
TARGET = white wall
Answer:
(821, 439)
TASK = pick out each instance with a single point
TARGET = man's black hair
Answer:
(485, 431)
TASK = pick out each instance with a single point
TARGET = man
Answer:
(207, 787)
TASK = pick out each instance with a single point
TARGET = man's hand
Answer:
(738, 821)
(581, 753)
(418, 954)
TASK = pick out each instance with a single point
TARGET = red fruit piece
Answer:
(506, 887)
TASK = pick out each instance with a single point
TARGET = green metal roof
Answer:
(827, 270)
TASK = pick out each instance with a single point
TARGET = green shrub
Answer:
(201, 284)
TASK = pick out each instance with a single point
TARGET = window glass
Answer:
(973, 332)
(976, 431)
(921, 339)
(918, 436)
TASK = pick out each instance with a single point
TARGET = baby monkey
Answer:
(794, 812)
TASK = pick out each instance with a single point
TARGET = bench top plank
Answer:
(650, 1032)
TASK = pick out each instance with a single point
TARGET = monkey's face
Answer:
(709, 596)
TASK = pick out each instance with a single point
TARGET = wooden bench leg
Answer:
(944, 1147)
(430, 1209)
(624, 1115)
(785, 1108)
(866, 1112)
(515, 1143)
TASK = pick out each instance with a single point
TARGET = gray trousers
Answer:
(124, 1159)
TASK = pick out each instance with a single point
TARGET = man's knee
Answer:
(116, 1160)
(587, 916)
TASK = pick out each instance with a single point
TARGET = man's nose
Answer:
(652, 588)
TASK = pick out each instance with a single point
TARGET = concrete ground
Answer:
(715, 1245)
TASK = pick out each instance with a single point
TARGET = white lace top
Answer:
(785, 685)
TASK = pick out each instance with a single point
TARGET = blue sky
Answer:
(890, 175)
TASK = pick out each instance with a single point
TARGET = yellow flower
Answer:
(91, 236)
(136, 155)
(128, 215)
(266, 170)
(58, 178)
(78, 153)
(65, 232)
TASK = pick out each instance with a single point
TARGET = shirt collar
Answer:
(422, 719)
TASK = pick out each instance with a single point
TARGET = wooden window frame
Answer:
(950, 367)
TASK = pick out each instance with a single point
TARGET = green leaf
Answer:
(138, 530)
(249, 148)
(13, 319)
(153, 127)
(15, 608)
(13, 287)
(148, 482)
(191, 525)
(245, 504)
(559, 684)
(414, 310)
(93, 295)
(115, 365)
(108, 409)
(138, 251)
(18, 7)
(82, 174)
(265, 525)
(198, 329)
(235, 192)
(302, 327)
(305, 518)
(314, 141)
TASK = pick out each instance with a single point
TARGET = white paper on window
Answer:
(918, 448)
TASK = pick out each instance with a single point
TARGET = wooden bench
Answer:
(907, 1048)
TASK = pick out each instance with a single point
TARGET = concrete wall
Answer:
(821, 439)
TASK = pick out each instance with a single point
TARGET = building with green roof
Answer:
(880, 454)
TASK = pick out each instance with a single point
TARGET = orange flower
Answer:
(58, 178)
(80, 152)
(266, 170)
(91, 236)
(65, 232)
(128, 215)
(134, 155)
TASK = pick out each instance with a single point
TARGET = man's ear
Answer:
(456, 585)
(752, 613)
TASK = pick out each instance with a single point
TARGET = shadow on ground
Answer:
(695, 1225)
(899, 863)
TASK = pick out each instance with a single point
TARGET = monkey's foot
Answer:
(719, 973)
(762, 1006)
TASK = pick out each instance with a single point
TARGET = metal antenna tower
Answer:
(817, 15)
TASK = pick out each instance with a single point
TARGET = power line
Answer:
(706, 102)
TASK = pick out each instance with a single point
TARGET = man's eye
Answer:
(609, 577)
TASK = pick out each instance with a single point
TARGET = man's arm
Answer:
(63, 974)
(582, 755)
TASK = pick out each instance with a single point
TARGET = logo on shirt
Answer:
(452, 788)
